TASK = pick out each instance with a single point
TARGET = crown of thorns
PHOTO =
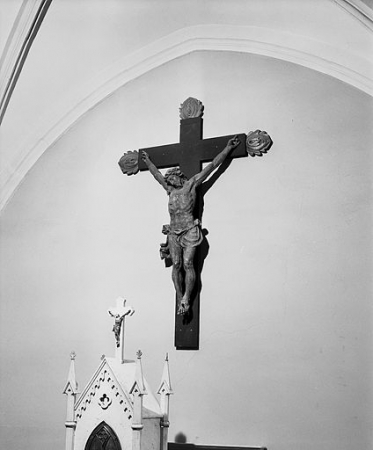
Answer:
(175, 171)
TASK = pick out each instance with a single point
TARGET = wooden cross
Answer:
(192, 150)
(189, 154)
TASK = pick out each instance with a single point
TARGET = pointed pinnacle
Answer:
(166, 379)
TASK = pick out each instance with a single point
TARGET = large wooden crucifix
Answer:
(182, 183)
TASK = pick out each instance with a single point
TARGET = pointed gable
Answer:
(118, 379)
(104, 377)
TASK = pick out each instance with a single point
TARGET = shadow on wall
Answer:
(181, 444)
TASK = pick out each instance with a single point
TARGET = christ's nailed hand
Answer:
(233, 142)
(145, 156)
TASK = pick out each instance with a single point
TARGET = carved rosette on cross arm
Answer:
(191, 108)
(129, 162)
(258, 142)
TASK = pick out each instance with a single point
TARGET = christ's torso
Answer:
(181, 207)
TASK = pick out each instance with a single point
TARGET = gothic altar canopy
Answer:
(117, 410)
(185, 237)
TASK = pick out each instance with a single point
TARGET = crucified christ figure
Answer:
(184, 232)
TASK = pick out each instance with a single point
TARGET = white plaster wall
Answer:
(285, 352)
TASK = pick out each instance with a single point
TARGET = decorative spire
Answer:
(119, 312)
(138, 387)
(71, 390)
(138, 390)
(165, 386)
(71, 386)
(165, 391)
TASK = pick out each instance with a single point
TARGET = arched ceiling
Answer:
(85, 50)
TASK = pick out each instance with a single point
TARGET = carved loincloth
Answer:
(184, 238)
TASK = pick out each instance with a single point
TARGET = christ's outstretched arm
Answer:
(153, 170)
(219, 159)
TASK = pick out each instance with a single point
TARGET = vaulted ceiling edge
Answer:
(336, 62)
(359, 10)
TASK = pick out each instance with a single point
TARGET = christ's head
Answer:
(175, 177)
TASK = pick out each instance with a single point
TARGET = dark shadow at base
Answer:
(181, 444)
(185, 446)
(180, 438)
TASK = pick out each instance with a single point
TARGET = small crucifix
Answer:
(182, 184)
(119, 312)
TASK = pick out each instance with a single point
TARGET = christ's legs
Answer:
(182, 261)
(190, 278)
(177, 276)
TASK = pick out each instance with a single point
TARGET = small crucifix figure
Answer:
(182, 182)
(119, 312)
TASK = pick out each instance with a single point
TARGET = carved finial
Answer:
(191, 108)
(103, 357)
(139, 354)
(166, 359)
(72, 355)
(258, 142)
(129, 162)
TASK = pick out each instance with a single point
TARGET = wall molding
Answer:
(22, 35)
(316, 55)
(359, 10)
